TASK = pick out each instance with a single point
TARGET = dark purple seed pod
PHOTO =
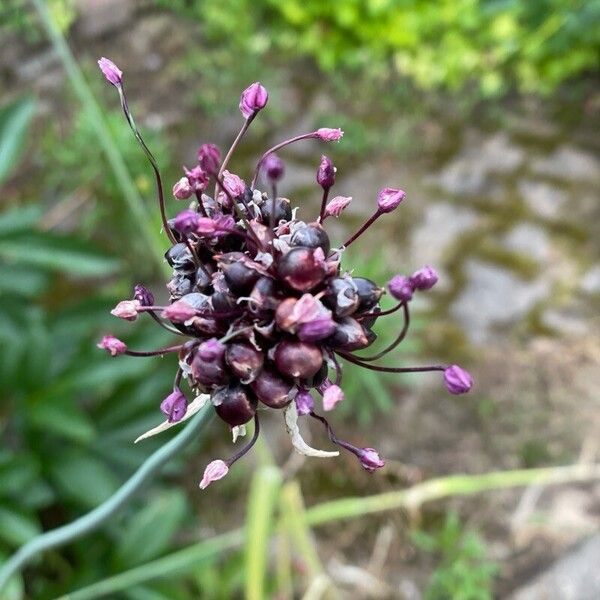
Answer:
(283, 210)
(179, 285)
(317, 379)
(202, 281)
(263, 294)
(298, 359)
(342, 296)
(368, 291)
(240, 277)
(197, 300)
(302, 268)
(369, 319)
(209, 373)
(349, 335)
(180, 258)
(223, 301)
(235, 404)
(311, 236)
(272, 389)
(244, 360)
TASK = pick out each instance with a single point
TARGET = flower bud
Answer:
(112, 345)
(244, 360)
(336, 205)
(126, 309)
(304, 402)
(328, 134)
(368, 292)
(311, 236)
(424, 279)
(143, 295)
(457, 380)
(211, 350)
(302, 268)
(235, 404)
(209, 158)
(197, 178)
(179, 312)
(214, 471)
(253, 99)
(389, 199)
(331, 396)
(298, 359)
(112, 73)
(186, 222)
(369, 459)
(401, 288)
(174, 406)
(319, 328)
(272, 389)
(182, 190)
(273, 167)
(326, 173)
(233, 184)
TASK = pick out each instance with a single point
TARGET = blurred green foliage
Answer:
(463, 572)
(490, 46)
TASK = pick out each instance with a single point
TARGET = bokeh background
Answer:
(484, 111)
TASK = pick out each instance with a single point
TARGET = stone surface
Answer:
(574, 577)
(542, 198)
(568, 163)
(494, 297)
(99, 17)
(530, 240)
(442, 224)
(590, 282)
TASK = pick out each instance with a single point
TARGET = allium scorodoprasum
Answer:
(261, 298)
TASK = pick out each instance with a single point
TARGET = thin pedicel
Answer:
(261, 296)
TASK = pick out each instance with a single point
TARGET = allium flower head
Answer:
(266, 306)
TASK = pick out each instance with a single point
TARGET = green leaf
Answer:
(57, 253)
(19, 219)
(17, 528)
(22, 281)
(149, 532)
(83, 478)
(14, 123)
(62, 417)
(264, 492)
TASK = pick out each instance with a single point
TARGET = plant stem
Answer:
(103, 513)
(133, 200)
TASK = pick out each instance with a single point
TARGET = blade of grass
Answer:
(283, 564)
(186, 559)
(181, 561)
(133, 200)
(264, 492)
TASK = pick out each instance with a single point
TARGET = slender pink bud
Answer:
(174, 406)
(253, 98)
(214, 471)
(424, 279)
(112, 73)
(273, 167)
(304, 402)
(331, 396)
(326, 173)
(197, 178)
(389, 199)
(179, 312)
(336, 205)
(209, 158)
(329, 135)
(112, 345)
(401, 288)
(126, 309)
(233, 184)
(182, 190)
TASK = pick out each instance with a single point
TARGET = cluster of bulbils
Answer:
(261, 296)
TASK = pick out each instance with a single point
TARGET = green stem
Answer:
(103, 513)
(133, 200)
